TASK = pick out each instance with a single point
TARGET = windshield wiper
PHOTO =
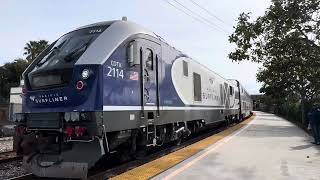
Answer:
(54, 49)
(69, 56)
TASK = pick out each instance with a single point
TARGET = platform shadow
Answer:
(302, 147)
(265, 131)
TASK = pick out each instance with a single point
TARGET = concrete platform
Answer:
(269, 147)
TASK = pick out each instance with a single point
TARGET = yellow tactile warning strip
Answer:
(157, 166)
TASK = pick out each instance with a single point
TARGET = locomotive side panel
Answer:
(121, 92)
(204, 91)
(199, 89)
(130, 95)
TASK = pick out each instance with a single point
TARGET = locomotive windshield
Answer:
(55, 66)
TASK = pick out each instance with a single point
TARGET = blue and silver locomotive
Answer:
(115, 87)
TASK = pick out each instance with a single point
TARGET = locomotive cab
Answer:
(55, 66)
(68, 91)
(61, 107)
(58, 91)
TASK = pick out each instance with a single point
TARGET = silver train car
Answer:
(115, 87)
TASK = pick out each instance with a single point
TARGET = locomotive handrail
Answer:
(105, 136)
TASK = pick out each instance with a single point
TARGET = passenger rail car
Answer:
(115, 86)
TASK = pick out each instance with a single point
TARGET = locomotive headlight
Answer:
(19, 117)
(75, 116)
(85, 74)
(67, 116)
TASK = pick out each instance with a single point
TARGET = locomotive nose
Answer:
(78, 94)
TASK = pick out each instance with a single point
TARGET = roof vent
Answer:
(124, 18)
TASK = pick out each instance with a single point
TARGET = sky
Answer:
(22, 21)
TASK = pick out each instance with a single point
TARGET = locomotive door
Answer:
(227, 95)
(150, 55)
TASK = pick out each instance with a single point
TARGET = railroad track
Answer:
(9, 156)
(10, 165)
(108, 171)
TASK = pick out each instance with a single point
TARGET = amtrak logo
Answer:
(48, 98)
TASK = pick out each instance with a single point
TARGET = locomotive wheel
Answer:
(232, 119)
(124, 155)
(228, 121)
(237, 119)
(140, 154)
(178, 141)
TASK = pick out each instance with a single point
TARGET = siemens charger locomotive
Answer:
(115, 87)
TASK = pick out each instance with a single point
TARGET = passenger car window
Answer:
(149, 60)
(221, 94)
(231, 90)
(185, 68)
(197, 87)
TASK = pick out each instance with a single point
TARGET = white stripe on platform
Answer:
(137, 108)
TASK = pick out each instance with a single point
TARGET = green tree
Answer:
(10, 74)
(286, 41)
(34, 48)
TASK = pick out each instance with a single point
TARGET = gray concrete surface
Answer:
(269, 148)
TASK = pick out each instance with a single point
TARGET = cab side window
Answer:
(149, 60)
(197, 87)
(185, 68)
(231, 90)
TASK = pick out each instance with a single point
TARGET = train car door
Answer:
(227, 97)
(150, 55)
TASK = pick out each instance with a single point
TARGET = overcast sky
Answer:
(22, 21)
